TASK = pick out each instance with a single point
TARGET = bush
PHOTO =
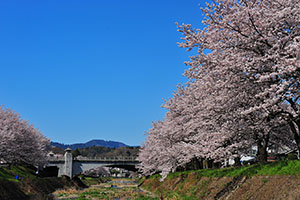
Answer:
(292, 156)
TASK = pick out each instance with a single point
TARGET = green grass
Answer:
(107, 193)
(5, 173)
(201, 179)
(94, 181)
(142, 197)
(277, 168)
(10, 173)
(141, 180)
(95, 193)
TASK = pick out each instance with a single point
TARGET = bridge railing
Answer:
(52, 158)
(103, 159)
(130, 158)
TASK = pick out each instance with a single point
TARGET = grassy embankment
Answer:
(268, 181)
(279, 180)
(29, 185)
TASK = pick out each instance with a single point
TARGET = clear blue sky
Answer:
(93, 69)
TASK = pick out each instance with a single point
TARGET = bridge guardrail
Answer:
(121, 159)
(106, 159)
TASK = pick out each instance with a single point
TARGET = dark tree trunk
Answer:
(294, 124)
(296, 134)
(237, 162)
(210, 163)
(262, 144)
(262, 154)
(194, 164)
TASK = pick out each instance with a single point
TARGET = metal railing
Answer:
(97, 159)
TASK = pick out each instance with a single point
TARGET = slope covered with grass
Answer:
(28, 185)
(291, 167)
(268, 181)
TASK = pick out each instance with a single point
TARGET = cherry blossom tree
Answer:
(152, 153)
(243, 87)
(259, 38)
(20, 142)
(205, 121)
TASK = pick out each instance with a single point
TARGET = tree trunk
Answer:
(262, 153)
(194, 164)
(296, 135)
(237, 162)
(205, 164)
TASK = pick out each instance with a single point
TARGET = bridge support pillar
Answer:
(68, 168)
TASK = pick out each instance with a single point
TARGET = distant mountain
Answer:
(103, 143)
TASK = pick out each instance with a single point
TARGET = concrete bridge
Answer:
(70, 166)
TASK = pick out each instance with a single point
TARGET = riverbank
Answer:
(280, 180)
(21, 182)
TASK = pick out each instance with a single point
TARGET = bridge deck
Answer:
(102, 159)
(70, 166)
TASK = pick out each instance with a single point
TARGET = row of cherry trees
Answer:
(20, 142)
(243, 87)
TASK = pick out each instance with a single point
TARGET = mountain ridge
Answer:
(94, 142)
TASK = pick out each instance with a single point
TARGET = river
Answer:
(116, 189)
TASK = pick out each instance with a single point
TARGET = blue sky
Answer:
(94, 69)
